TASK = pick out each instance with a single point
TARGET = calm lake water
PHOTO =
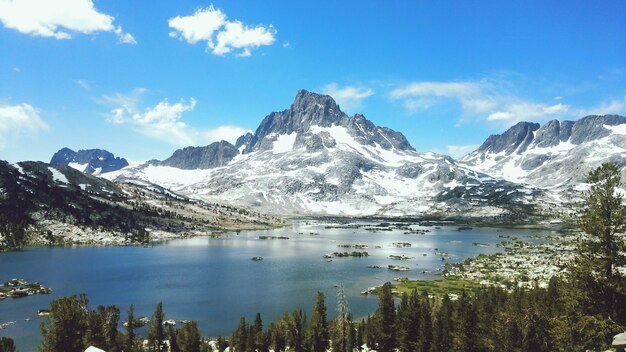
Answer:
(214, 280)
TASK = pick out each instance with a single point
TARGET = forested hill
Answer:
(41, 203)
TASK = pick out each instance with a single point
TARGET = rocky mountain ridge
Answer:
(58, 205)
(558, 154)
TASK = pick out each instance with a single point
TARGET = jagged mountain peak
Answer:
(91, 161)
(311, 111)
(306, 101)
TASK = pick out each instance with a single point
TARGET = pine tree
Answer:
(239, 340)
(296, 331)
(425, 324)
(64, 329)
(603, 218)
(319, 334)
(359, 337)
(156, 332)
(130, 345)
(259, 336)
(172, 336)
(465, 332)
(221, 344)
(341, 324)
(110, 320)
(188, 337)
(442, 327)
(407, 322)
(384, 321)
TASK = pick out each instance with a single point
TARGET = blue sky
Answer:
(144, 78)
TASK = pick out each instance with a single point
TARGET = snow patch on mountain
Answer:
(58, 176)
(284, 143)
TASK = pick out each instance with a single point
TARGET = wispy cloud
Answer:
(58, 19)
(83, 84)
(164, 121)
(610, 106)
(484, 99)
(348, 97)
(18, 121)
(222, 36)
(457, 151)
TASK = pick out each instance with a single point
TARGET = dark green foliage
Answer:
(341, 335)
(156, 332)
(7, 344)
(73, 327)
(384, 332)
(603, 218)
(239, 339)
(65, 328)
(221, 343)
(442, 326)
(296, 334)
(319, 333)
(131, 342)
(425, 336)
(188, 337)
(466, 325)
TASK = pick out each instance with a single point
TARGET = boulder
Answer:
(619, 342)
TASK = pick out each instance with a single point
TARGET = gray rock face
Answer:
(516, 138)
(592, 127)
(520, 136)
(553, 133)
(312, 109)
(213, 155)
(244, 140)
(93, 159)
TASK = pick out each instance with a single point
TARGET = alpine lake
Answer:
(215, 281)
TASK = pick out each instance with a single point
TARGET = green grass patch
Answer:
(437, 287)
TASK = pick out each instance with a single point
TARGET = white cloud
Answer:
(612, 106)
(222, 36)
(519, 110)
(18, 121)
(348, 97)
(164, 121)
(58, 18)
(484, 99)
(83, 84)
(17, 69)
(439, 89)
(457, 151)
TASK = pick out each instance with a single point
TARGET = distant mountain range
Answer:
(314, 159)
(559, 154)
(90, 161)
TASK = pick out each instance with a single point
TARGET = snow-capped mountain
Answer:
(314, 159)
(557, 155)
(89, 161)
